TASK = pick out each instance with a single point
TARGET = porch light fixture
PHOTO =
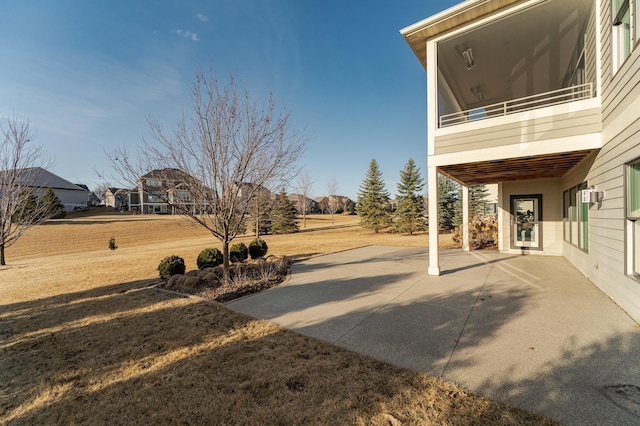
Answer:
(592, 195)
(477, 92)
(467, 55)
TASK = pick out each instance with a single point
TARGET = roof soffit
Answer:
(467, 12)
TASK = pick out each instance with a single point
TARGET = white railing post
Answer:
(527, 103)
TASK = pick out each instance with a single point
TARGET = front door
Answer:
(526, 222)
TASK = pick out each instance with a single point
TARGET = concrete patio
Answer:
(529, 330)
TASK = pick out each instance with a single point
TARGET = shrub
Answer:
(257, 248)
(238, 252)
(483, 232)
(209, 258)
(171, 265)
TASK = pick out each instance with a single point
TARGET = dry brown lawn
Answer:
(86, 339)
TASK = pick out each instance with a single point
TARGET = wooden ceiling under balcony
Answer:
(513, 169)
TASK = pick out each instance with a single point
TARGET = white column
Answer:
(465, 218)
(503, 220)
(432, 179)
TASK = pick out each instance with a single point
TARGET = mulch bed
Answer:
(223, 293)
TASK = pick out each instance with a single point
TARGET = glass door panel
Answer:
(526, 221)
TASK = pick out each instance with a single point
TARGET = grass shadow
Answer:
(163, 359)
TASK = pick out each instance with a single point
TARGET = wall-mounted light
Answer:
(477, 92)
(467, 55)
(592, 195)
(597, 196)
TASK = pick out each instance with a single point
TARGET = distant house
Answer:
(39, 180)
(93, 199)
(301, 202)
(117, 198)
(247, 190)
(158, 190)
(341, 201)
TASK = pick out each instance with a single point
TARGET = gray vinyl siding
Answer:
(562, 125)
(605, 43)
(605, 263)
(590, 44)
(618, 90)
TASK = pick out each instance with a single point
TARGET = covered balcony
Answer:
(535, 56)
(513, 98)
(510, 79)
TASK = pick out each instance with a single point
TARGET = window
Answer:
(621, 32)
(583, 220)
(633, 216)
(575, 217)
(154, 198)
(566, 215)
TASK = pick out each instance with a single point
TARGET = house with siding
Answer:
(160, 191)
(542, 98)
(117, 198)
(304, 204)
(38, 180)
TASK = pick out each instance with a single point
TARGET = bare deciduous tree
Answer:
(100, 190)
(304, 189)
(226, 149)
(332, 198)
(21, 165)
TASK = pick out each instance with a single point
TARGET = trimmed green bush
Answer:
(209, 258)
(171, 265)
(258, 248)
(238, 252)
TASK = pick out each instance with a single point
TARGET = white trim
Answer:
(445, 14)
(550, 111)
(434, 258)
(520, 105)
(520, 149)
(501, 218)
(492, 17)
(628, 264)
(465, 218)
(432, 98)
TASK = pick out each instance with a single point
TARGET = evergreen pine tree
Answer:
(373, 205)
(410, 215)
(449, 203)
(27, 208)
(260, 213)
(477, 200)
(54, 207)
(284, 216)
(351, 207)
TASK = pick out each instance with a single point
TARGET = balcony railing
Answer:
(555, 97)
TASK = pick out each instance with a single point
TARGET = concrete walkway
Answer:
(530, 330)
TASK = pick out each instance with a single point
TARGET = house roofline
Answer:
(416, 35)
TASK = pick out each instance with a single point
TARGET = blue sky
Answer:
(87, 74)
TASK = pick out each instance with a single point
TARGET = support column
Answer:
(432, 179)
(465, 218)
(502, 217)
